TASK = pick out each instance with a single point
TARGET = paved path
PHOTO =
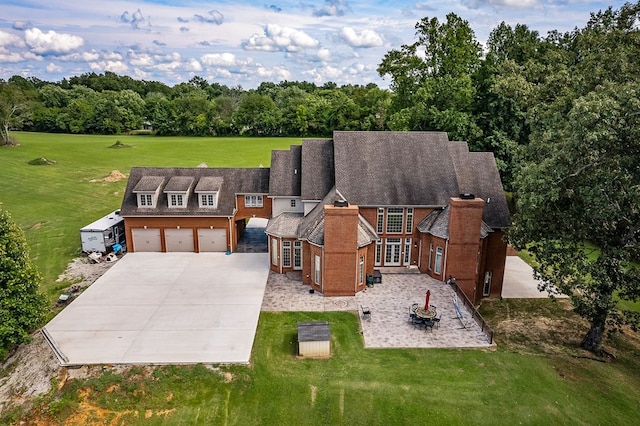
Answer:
(389, 303)
(518, 281)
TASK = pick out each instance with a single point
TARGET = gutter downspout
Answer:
(230, 234)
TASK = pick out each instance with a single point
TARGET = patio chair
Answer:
(366, 312)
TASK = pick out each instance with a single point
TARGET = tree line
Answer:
(560, 112)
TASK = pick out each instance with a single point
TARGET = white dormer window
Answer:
(177, 200)
(253, 200)
(209, 200)
(145, 200)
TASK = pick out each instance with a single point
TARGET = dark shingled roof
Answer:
(394, 168)
(209, 184)
(286, 172)
(179, 184)
(478, 175)
(234, 181)
(317, 162)
(148, 184)
(284, 225)
(314, 331)
(437, 224)
(316, 215)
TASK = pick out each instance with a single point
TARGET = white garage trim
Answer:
(179, 240)
(146, 239)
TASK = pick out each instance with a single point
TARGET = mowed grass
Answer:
(356, 386)
(52, 202)
(520, 382)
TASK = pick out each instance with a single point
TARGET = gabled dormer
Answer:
(207, 191)
(177, 191)
(147, 190)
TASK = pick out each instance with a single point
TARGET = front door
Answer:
(392, 252)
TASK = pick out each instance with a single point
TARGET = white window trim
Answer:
(437, 268)
(253, 200)
(286, 254)
(361, 271)
(316, 270)
(274, 251)
(395, 214)
(206, 195)
(143, 196)
(297, 247)
(179, 195)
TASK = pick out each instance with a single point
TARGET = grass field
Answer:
(52, 202)
(535, 376)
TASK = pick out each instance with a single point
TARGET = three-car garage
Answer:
(179, 239)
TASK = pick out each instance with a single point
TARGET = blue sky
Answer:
(243, 42)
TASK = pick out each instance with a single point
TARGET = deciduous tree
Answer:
(22, 306)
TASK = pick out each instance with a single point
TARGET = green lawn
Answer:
(51, 203)
(509, 385)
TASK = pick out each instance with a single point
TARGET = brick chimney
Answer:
(463, 252)
(340, 249)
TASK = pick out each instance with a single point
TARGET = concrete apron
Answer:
(165, 308)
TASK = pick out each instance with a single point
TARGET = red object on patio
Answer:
(426, 302)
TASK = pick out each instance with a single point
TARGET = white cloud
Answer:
(113, 66)
(51, 41)
(10, 57)
(219, 60)
(278, 38)
(53, 68)
(324, 54)
(280, 73)
(88, 56)
(10, 40)
(194, 65)
(366, 38)
(136, 19)
(331, 8)
(140, 59)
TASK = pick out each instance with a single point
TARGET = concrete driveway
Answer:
(518, 281)
(165, 308)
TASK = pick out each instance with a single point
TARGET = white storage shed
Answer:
(314, 339)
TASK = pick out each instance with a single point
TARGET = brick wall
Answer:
(464, 248)
(341, 254)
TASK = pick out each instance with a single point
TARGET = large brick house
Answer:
(338, 209)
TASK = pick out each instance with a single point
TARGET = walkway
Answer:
(389, 303)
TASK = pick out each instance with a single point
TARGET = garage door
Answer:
(146, 239)
(212, 239)
(178, 239)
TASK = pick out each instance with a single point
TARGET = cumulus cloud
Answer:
(277, 38)
(214, 17)
(182, 20)
(10, 57)
(331, 8)
(51, 41)
(194, 65)
(324, 54)
(52, 68)
(274, 73)
(135, 20)
(22, 25)
(159, 43)
(424, 6)
(219, 60)
(274, 8)
(87, 56)
(10, 40)
(113, 66)
(184, 29)
(366, 38)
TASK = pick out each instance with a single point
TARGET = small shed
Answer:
(101, 235)
(314, 339)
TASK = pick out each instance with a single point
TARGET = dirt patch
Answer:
(114, 176)
(31, 368)
(83, 272)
